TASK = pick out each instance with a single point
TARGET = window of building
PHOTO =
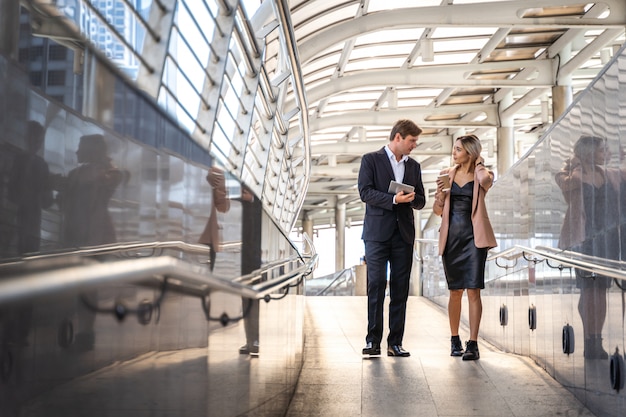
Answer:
(23, 55)
(58, 53)
(35, 78)
(56, 78)
(36, 53)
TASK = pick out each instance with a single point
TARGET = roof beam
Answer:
(350, 171)
(540, 75)
(389, 117)
(493, 14)
(588, 51)
(326, 187)
(429, 145)
(347, 170)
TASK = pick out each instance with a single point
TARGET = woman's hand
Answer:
(573, 168)
(215, 177)
(572, 163)
(440, 185)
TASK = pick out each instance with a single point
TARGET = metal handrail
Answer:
(568, 259)
(180, 275)
(508, 254)
(114, 248)
(611, 263)
(338, 280)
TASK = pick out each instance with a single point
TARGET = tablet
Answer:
(395, 187)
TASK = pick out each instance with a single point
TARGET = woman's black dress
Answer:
(601, 206)
(463, 262)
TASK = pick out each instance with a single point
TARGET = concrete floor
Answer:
(337, 381)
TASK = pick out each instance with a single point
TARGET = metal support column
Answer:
(506, 139)
(307, 227)
(562, 91)
(99, 96)
(10, 24)
(561, 99)
(340, 236)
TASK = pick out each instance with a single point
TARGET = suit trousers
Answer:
(396, 253)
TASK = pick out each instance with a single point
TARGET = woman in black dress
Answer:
(465, 237)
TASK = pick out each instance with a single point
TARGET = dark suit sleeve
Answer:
(420, 198)
(370, 184)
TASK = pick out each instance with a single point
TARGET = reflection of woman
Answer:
(465, 237)
(211, 234)
(84, 195)
(591, 227)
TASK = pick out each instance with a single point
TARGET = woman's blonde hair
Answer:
(472, 145)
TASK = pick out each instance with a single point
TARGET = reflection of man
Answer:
(591, 227)
(211, 234)
(251, 211)
(30, 190)
(85, 194)
(389, 233)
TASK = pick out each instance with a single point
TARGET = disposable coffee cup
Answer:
(446, 181)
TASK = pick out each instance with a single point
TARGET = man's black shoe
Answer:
(397, 350)
(371, 349)
(250, 350)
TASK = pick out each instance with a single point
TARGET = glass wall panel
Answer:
(68, 183)
(567, 195)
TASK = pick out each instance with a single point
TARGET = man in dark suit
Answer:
(389, 233)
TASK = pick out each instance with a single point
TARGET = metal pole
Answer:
(10, 26)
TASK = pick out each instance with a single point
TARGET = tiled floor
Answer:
(337, 381)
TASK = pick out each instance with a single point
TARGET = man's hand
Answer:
(403, 197)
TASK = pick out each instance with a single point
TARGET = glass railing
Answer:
(75, 316)
(565, 203)
(339, 283)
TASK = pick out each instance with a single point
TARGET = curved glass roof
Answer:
(453, 66)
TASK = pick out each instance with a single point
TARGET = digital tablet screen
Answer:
(395, 187)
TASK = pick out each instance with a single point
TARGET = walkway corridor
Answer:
(337, 381)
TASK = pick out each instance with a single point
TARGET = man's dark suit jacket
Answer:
(381, 214)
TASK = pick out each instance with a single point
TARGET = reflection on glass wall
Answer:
(567, 194)
(201, 63)
(572, 180)
(576, 203)
(68, 182)
(29, 188)
(591, 189)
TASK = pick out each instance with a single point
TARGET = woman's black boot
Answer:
(456, 346)
(471, 351)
